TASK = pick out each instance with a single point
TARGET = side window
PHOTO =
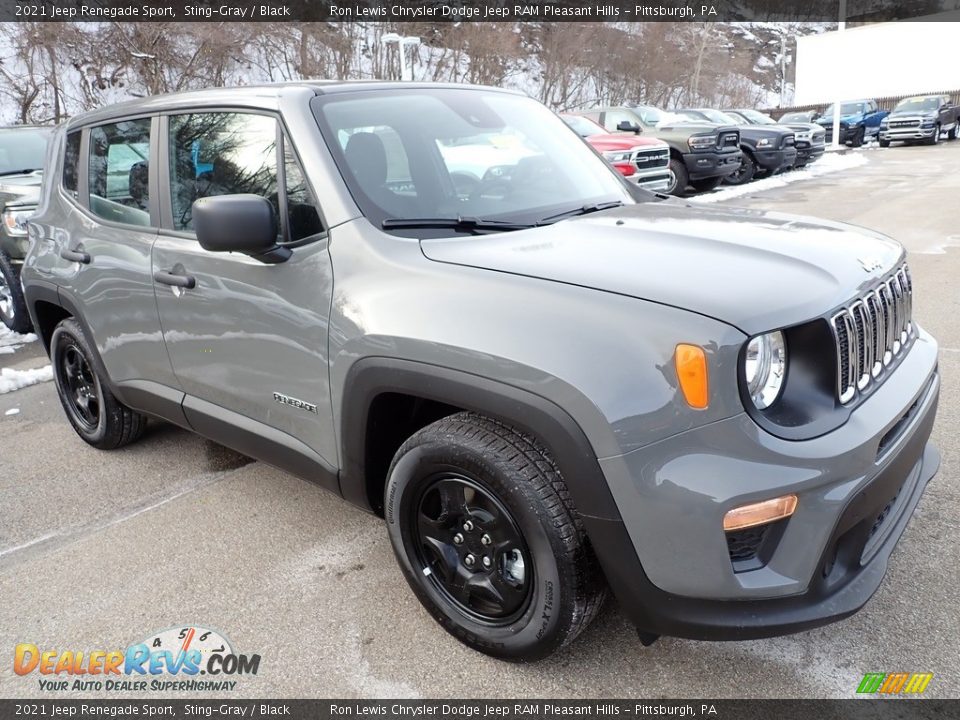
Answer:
(303, 217)
(71, 164)
(220, 153)
(118, 172)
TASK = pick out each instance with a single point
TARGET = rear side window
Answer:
(71, 164)
(119, 171)
(220, 153)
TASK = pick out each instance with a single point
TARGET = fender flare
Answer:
(529, 412)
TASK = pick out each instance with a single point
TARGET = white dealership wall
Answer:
(873, 61)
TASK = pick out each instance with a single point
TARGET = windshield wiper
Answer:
(25, 171)
(464, 224)
(583, 210)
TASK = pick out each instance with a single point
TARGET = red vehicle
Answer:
(643, 160)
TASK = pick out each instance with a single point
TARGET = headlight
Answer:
(702, 142)
(615, 156)
(764, 142)
(15, 221)
(765, 367)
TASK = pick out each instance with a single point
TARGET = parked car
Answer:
(922, 119)
(701, 154)
(766, 150)
(22, 150)
(640, 159)
(801, 116)
(547, 386)
(809, 137)
(859, 122)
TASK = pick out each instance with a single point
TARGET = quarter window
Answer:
(220, 154)
(119, 172)
(303, 215)
(71, 164)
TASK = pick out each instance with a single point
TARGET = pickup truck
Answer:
(766, 150)
(921, 119)
(859, 120)
(641, 160)
(809, 137)
(702, 154)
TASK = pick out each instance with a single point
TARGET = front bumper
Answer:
(807, 154)
(907, 133)
(846, 134)
(702, 165)
(773, 160)
(658, 180)
(676, 577)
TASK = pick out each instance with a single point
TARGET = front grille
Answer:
(904, 123)
(789, 141)
(871, 332)
(648, 159)
(745, 544)
(728, 139)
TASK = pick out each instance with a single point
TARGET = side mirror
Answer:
(239, 223)
(627, 126)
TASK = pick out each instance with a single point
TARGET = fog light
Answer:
(760, 513)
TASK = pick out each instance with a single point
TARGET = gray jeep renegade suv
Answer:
(439, 303)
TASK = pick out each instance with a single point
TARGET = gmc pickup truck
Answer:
(859, 120)
(702, 154)
(921, 119)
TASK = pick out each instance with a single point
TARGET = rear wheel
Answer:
(488, 539)
(13, 308)
(95, 413)
(954, 131)
(678, 176)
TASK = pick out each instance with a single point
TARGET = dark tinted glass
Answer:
(119, 170)
(303, 215)
(71, 164)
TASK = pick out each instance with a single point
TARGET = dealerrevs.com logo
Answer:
(188, 658)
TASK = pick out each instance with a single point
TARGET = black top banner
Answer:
(432, 11)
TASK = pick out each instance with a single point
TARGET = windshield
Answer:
(714, 116)
(757, 118)
(584, 127)
(22, 149)
(796, 117)
(450, 153)
(845, 109)
(927, 104)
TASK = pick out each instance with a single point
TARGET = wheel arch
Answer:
(366, 441)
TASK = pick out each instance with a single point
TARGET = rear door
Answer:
(248, 340)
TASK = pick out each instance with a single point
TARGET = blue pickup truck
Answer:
(859, 121)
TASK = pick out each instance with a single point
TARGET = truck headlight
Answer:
(764, 368)
(702, 142)
(15, 221)
(764, 142)
(620, 156)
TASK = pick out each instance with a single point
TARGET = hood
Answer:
(20, 188)
(755, 132)
(604, 143)
(755, 270)
(928, 114)
(827, 120)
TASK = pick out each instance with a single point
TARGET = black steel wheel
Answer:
(82, 389)
(488, 539)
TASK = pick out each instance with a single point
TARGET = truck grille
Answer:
(904, 123)
(789, 141)
(648, 159)
(728, 139)
(871, 332)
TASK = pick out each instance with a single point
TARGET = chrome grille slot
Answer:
(871, 331)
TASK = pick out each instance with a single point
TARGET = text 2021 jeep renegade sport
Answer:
(438, 302)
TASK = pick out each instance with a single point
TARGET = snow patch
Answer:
(10, 341)
(12, 411)
(11, 379)
(826, 164)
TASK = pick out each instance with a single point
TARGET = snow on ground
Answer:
(828, 163)
(11, 379)
(10, 341)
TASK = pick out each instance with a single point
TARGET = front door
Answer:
(247, 340)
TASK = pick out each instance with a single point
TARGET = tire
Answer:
(465, 484)
(93, 411)
(681, 178)
(884, 143)
(707, 184)
(935, 140)
(13, 308)
(745, 173)
(859, 138)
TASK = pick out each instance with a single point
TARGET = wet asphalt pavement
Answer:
(98, 550)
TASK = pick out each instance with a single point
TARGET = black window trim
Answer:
(165, 211)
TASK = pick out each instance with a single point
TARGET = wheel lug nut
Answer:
(468, 526)
(469, 560)
(457, 539)
(487, 562)
(486, 539)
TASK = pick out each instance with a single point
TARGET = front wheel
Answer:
(679, 177)
(13, 309)
(744, 173)
(488, 539)
(935, 138)
(884, 143)
(858, 138)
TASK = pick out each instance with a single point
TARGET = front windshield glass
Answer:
(651, 116)
(796, 117)
(584, 127)
(715, 116)
(22, 149)
(927, 104)
(757, 118)
(845, 109)
(452, 153)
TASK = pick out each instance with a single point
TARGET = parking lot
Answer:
(101, 550)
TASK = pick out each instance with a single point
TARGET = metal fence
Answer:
(885, 103)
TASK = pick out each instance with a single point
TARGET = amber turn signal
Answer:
(761, 513)
(691, 364)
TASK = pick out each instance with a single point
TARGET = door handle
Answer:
(182, 281)
(77, 256)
